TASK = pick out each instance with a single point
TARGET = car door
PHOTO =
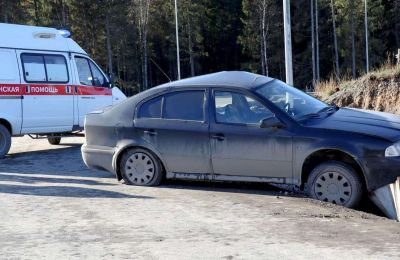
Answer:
(176, 125)
(92, 90)
(239, 147)
(47, 104)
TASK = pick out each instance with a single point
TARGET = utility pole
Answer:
(317, 37)
(335, 42)
(288, 42)
(366, 38)
(353, 40)
(178, 59)
(313, 43)
(398, 57)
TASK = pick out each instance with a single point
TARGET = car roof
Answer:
(239, 79)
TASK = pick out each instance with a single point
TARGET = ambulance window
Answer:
(56, 68)
(98, 78)
(34, 70)
(9, 73)
(85, 75)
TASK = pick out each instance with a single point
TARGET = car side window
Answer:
(98, 78)
(56, 68)
(236, 108)
(89, 74)
(184, 105)
(84, 73)
(34, 68)
(151, 108)
(42, 68)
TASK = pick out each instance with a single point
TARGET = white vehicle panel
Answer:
(47, 104)
(10, 98)
(90, 97)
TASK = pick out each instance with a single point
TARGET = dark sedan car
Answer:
(238, 126)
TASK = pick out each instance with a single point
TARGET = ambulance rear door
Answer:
(10, 90)
(47, 93)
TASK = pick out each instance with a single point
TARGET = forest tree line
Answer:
(135, 39)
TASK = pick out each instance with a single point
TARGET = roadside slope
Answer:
(379, 90)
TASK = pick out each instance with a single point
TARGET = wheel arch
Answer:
(6, 124)
(121, 151)
(330, 154)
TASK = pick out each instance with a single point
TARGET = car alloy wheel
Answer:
(139, 169)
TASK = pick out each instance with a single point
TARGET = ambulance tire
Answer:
(54, 140)
(5, 141)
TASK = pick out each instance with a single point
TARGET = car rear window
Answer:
(184, 105)
(151, 108)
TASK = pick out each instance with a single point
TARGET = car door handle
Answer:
(150, 132)
(218, 137)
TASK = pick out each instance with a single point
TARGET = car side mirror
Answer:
(271, 122)
(111, 77)
(96, 82)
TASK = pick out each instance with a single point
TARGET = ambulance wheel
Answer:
(54, 140)
(5, 141)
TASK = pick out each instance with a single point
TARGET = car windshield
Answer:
(292, 101)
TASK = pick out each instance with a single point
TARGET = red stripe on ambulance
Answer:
(10, 89)
(90, 90)
(52, 90)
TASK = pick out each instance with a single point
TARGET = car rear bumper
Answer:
(380, 171)
(98, 157)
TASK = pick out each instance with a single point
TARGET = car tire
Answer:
(141, 167)
(5, 141)
(54, 140)
(335, 182)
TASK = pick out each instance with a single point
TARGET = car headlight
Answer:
(393, 150)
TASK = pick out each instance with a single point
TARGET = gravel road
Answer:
(52, 206)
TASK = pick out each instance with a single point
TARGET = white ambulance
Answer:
(48, 83)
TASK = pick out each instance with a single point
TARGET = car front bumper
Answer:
(380, 171)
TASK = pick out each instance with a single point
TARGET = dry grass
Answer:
(327, 88)
(387, 71)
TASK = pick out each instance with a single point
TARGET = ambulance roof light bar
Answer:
(65, 33)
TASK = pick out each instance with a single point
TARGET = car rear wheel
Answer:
(5, 141)
(335, 182)
(54, 140)
(140, 167)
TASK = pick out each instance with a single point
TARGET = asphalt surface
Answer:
(52, 206)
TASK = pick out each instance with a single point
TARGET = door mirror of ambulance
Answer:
(111, 77)
(271, 122)
(108, 84)
(97, 82)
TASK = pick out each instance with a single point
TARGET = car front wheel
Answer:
(140, 167)
(335, 182)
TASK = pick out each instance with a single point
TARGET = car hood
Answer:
(366, 122)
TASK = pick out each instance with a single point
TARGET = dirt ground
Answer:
(52, 206)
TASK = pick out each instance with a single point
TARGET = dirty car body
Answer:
(238, 126)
